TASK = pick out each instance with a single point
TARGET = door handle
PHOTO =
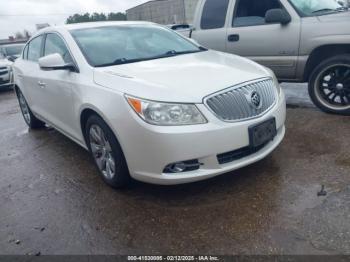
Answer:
(233, 38)
(41, 84)
(20, 76)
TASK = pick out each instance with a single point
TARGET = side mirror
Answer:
(280, 16)
(55, 62)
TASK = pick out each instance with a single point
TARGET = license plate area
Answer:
(262, 133)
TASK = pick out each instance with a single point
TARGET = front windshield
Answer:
(114, 45)
(13, 50)
(317, 7)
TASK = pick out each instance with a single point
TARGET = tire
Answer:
(106, 152)
(29, 118)
(329, 85)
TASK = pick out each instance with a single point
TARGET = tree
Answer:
(77, 18)
(87, 17)
(22, 35)
(98, 17)
(19, 35)
(116, 17)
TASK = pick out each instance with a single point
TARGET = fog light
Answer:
(180, 167)
(175, 168)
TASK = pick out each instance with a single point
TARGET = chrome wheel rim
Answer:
(333, 87)
(102, 152)
(24, 108)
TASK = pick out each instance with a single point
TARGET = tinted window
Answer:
(214, 14)
(179, 27)
(13, 50)
(34, 52)
(2, 55)
(111, 45)
(54, 44)
(252, 12)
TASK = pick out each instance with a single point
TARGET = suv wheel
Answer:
(329, 85)
(107, 153)
(28, 116)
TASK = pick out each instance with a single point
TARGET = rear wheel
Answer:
(329, 85)
(29, 118)
(107, 153)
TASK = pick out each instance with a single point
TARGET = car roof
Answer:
(91, 25)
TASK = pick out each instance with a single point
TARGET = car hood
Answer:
(5, 62)
(184, 78)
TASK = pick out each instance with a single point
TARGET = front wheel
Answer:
(329, 85)
(107, 153)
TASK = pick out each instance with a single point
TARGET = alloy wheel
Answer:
(333, 87)
(102, 152)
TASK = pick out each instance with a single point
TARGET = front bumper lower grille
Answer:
(4, 73)
(235, 104)
(229, 157)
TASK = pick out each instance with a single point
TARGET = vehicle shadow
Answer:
(4, 90)
(264, 174)
(64, 180)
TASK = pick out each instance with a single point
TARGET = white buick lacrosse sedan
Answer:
(148, 103)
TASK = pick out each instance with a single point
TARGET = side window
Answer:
(252, 12)
(214, 14)
(54, 44)
(25, 53)
(34, 51)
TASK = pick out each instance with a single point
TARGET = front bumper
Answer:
(149, 149)
(6, 77)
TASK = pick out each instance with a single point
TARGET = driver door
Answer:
(273, 45)
(57, 87)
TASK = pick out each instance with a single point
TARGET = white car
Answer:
(8, 53)
(6, 77)
(148, 103)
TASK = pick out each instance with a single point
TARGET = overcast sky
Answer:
(17, 15)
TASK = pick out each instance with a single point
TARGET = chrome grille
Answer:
(3, 71)
(234, 104)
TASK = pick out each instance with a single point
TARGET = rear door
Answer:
(28, 74)
(211, 30)
(273, 45)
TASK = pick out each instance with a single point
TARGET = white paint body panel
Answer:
(6, 73)
(148, 148)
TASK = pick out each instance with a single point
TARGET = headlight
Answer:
(166, 114)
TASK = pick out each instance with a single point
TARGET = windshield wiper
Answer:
(174, 53)
(324, 10)
(121, 61)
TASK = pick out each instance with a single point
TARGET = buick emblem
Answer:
(255, 100)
